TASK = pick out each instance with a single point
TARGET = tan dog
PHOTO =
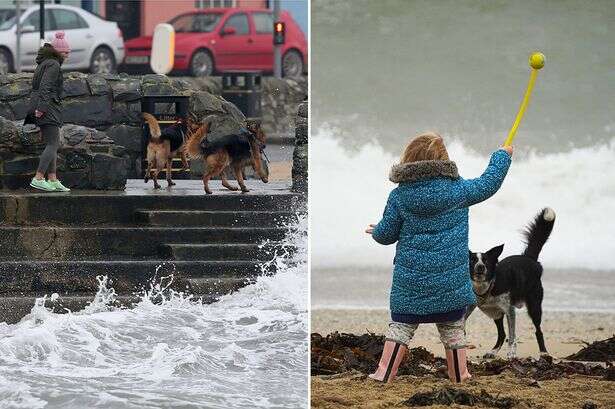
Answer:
(163, 146)
(236, 155)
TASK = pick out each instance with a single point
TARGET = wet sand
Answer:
(358, 391)
(564, 334)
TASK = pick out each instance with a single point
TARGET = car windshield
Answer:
(195, 23)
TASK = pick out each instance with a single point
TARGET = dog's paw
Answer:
(209, 192)
(489, 355)
(170, 183)
(244, 190)
(511, 355)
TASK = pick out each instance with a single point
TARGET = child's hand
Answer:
(508, 149)
(370, 229)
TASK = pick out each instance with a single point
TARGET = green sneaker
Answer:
(42, 184)
(58, 186)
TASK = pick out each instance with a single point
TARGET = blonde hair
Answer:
(426, 146)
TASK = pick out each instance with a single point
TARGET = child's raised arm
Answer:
(485, 186)
(387, 230)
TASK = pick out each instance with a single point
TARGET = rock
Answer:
(301, 131)
(76, 160)
(302, 111)
(300, 168)
(92, 112)
(109, 172)
(30, 135)
(126, 90)
(21, 165)
(124, 112)
(155, 79)
(300, 154)
(20, 107)
(8, 131)
(15, 90)
(98, 84)
(154, 89)
(75, 87)
(203, 104)
(5, 111)
(127, 136)
(74, 134)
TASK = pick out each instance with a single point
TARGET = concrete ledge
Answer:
(26, 207)
(37, 278)
(70, 243)
(246, 218)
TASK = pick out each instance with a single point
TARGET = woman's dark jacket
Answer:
(47, 88)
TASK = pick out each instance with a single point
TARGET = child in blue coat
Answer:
(427, 215)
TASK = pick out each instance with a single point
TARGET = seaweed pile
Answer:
(449, 396)
(599, 351)
(338, 353)
(545, 368)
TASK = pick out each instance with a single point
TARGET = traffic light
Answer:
(279, 33)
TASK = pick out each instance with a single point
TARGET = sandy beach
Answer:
(564, 331)
(564, 335)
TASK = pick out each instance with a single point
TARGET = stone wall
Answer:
(87, 158)
(111, 103)
(280, 100)
(300, 154)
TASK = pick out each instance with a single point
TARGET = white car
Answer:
(96, 45)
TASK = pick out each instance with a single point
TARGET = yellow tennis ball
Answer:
(537, 60)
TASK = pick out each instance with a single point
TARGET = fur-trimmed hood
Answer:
(47, 52)
(423, 170)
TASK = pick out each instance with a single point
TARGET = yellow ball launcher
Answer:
(537, 61)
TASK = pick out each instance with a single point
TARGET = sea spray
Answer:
(249, 349)
(349, 190)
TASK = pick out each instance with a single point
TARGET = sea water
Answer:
(247, 350)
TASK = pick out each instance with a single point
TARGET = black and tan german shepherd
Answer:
(163, 146)
(236, 153)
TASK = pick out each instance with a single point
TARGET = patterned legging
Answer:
(452, 334)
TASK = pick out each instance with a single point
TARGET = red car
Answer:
(225, 39)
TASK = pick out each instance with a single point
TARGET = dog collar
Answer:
(486, 291)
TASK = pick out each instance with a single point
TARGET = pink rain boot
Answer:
(457, 365)
(392, 355)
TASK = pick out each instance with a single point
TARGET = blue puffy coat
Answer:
(427, 215)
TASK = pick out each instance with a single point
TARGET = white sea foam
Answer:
(349, 190)
(247, 350)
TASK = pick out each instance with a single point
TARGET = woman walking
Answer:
(46, 109)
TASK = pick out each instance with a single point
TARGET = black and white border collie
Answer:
(502, 286)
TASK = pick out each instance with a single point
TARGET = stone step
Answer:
(66, 243)
(217, 286)
(110, 207)
(68, 277)
(218, 251)
(214, 218)
(14, 308)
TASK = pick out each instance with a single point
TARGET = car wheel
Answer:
(102, 61)
(201, 64)
(6, 61)
(292, 64)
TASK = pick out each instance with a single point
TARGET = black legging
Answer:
(51, 136)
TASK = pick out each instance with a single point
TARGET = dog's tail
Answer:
(538, 231)
(192, 147)
(154, 127)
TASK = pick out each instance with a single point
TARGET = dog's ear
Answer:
(495, 252)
